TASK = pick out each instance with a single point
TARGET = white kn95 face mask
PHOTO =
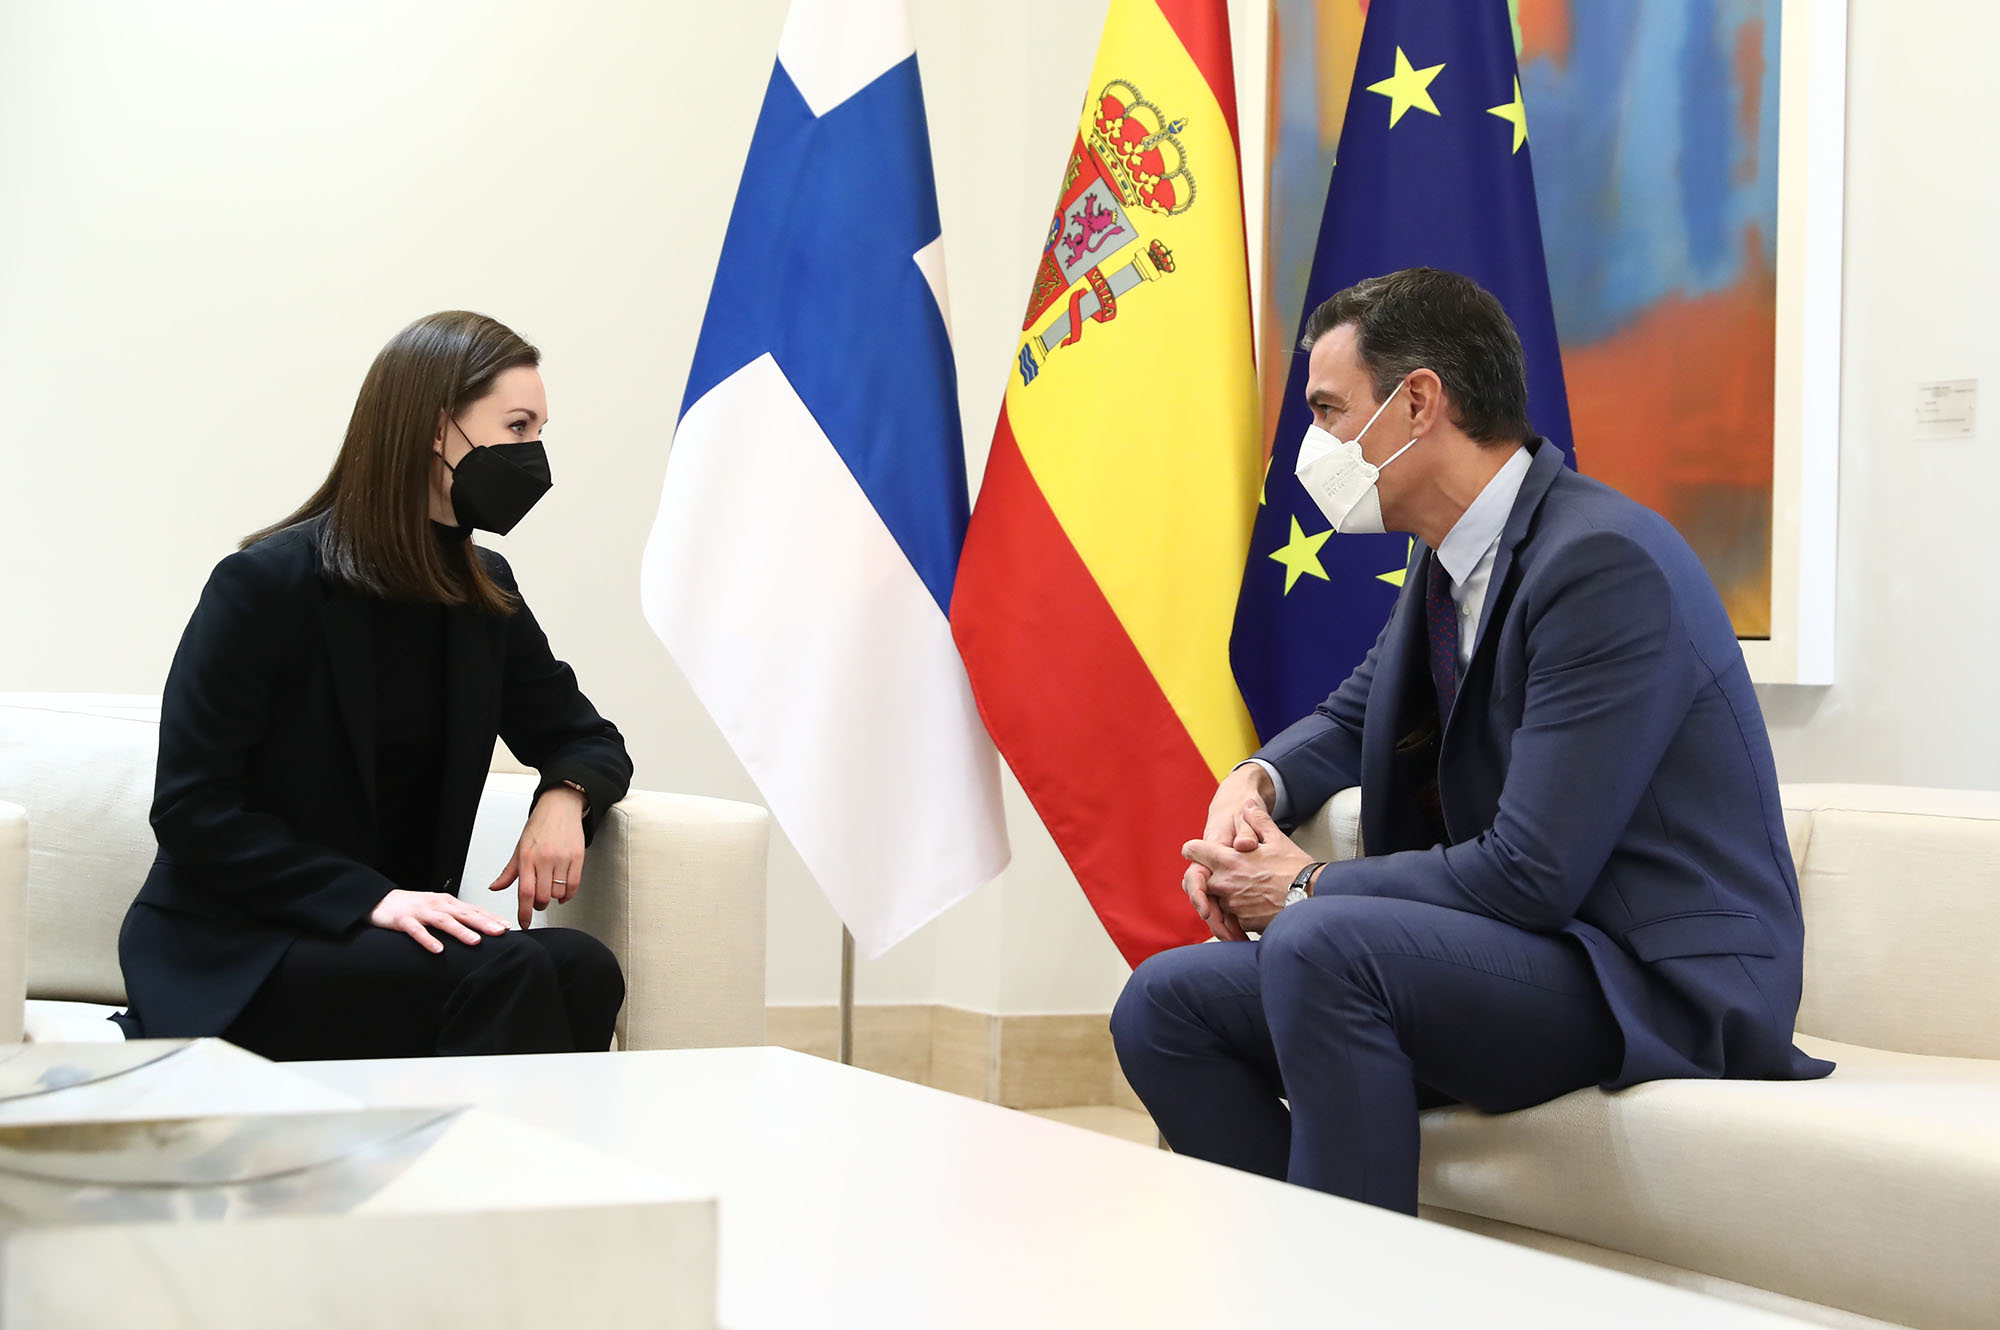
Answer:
(1341, 480)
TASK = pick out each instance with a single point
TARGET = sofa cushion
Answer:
(1902, 903)
(1876, 1190)
(82, 765)
(49, 1022)
(1334, 831)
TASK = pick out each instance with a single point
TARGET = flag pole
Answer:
(846, 998)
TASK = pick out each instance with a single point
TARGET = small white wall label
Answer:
(1945, 408)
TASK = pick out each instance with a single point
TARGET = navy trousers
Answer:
(1357, 1011)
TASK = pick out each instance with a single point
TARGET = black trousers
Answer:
(1357, 1011)
(375, 993)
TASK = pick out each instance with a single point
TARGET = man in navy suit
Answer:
(1576, 867)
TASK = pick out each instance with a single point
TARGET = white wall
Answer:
(1916, 698)
(212, 214)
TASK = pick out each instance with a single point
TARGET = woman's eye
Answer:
(518, 426)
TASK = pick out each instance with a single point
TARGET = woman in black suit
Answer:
(325, 732)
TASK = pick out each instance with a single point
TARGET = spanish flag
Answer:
(1100, 572)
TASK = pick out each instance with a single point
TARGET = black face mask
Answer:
(493, 488)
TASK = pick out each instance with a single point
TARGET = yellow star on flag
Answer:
(1516, 113)
(1301, 555)
(1396, 578)
(1407, 87)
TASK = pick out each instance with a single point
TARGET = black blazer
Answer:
(264, 801)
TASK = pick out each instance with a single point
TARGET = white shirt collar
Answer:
(1479, 528)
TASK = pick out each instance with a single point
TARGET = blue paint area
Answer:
(1301, 163)
(1644, 189)
(818, 270)
(1762, 200)
(1574, 129)
(1706, 116)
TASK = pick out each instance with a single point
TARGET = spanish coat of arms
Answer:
(1127, 168)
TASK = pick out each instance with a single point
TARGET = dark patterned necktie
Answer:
(1443, 614)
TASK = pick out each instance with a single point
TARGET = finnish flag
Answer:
(800, 569)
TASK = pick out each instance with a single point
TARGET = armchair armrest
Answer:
(13, 921)
(1333, 832)
(674, 885)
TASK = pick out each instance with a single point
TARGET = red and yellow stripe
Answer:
(1098, 582)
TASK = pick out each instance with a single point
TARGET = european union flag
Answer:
(1434, 171)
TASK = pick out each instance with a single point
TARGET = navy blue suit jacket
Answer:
(1605, 773)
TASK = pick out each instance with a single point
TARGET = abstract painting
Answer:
(1655, 126)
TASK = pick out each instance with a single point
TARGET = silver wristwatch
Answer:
(1302, 884)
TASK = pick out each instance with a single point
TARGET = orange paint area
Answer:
(1544, 30)
(1675, 411)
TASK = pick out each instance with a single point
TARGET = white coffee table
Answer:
(850, 1199)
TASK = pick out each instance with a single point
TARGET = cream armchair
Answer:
(1870, 1197)
(673, 883)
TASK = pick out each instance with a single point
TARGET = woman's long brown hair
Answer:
(376, 499)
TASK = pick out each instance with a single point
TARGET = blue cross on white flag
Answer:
(801, 566)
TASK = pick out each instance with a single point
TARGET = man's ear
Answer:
(1426, 394)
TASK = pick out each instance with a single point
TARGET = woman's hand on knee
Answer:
(548, 861)
(417, 912)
